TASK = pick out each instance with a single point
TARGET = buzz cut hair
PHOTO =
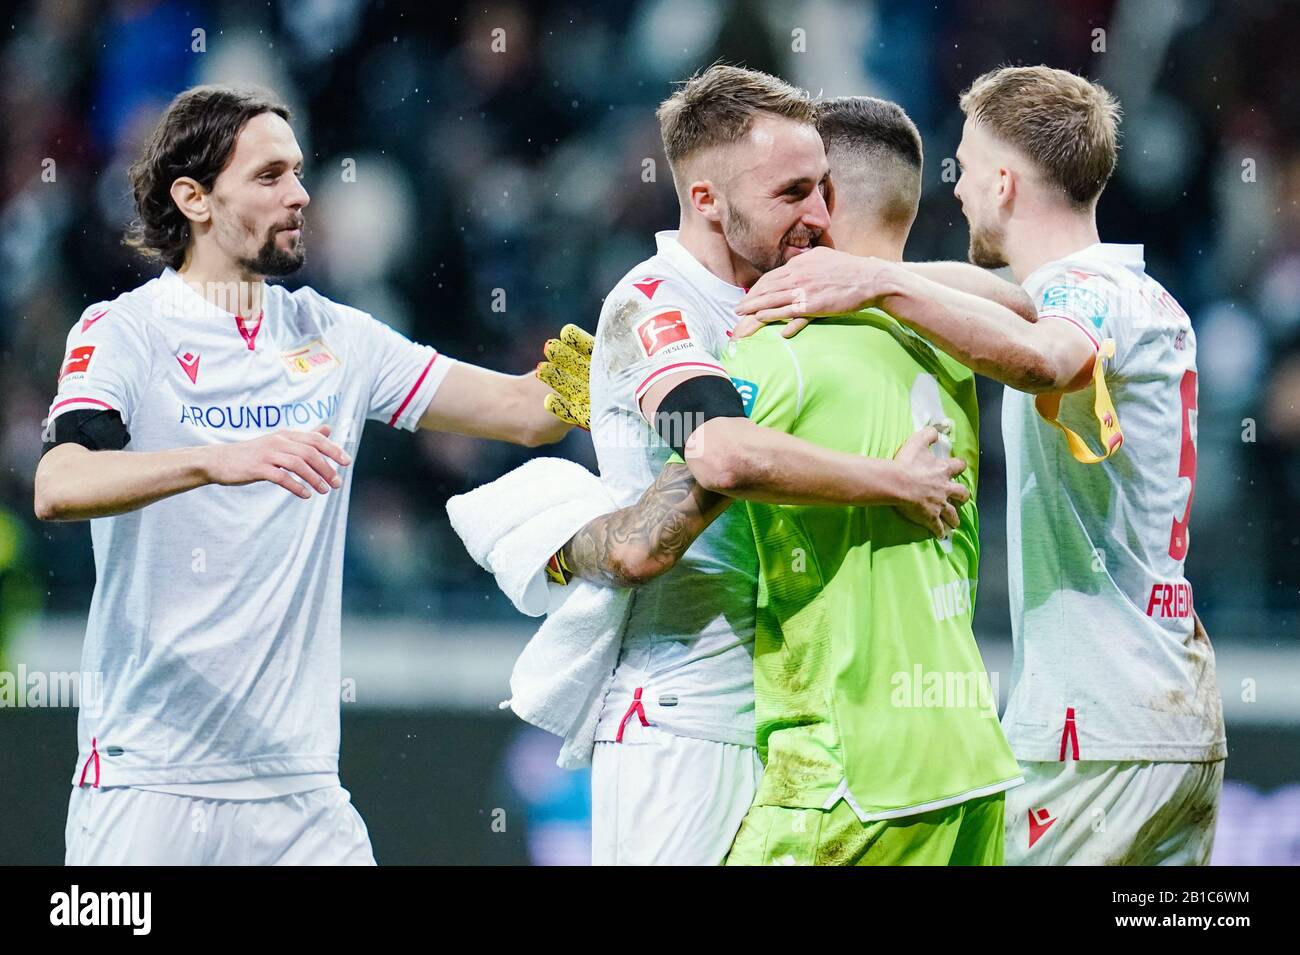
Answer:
(875, 154)
(1068, 126)
(717, 107)
(865, 124)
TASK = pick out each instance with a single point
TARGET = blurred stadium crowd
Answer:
(499, 193)
(508, 170)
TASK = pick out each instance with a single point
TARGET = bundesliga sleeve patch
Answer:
(77, 362)
(665, 332)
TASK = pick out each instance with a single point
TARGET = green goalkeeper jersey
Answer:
(867, 680)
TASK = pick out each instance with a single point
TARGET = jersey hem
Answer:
(1050, 752)
(738, 737)
(825, 798)
(876, 816)
(182, 774)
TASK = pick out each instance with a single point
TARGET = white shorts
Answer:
(119, 825)
(1113, 813)
(661, 799)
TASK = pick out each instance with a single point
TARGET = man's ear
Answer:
(192, 199)
(703, 196)
(1007, 182)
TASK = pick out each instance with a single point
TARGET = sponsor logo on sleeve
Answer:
(665, 332)
(748, 393)
(77, 362)
(1082, 303)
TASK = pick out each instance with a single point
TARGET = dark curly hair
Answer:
(195, 138)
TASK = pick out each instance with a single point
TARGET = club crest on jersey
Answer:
(665, 331)
(311, 357)
(190, 365)
(77, 362)
(1075, 300)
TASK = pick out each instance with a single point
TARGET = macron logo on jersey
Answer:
(648, 286)
(91, 320)
(1038, 826)
(659, 331)
(190, 365)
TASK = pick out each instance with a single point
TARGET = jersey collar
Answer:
(1126, 256)
(700, 277)
(1129, 256)
(181, 300)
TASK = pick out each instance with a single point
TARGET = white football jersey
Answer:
(688, 643)
(1106, 666)
(216, 613)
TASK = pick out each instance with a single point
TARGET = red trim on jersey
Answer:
(1070, 734)
(636, 708)
(87, 401)
(392, 422)
(1076, 323)
(247, 334)
(640, 389)
(94, 755)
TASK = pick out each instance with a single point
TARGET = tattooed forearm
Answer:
(634, 544)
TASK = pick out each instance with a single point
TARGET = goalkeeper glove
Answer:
(567, 370)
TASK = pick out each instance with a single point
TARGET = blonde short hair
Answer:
(1068, 125)
(717, 106)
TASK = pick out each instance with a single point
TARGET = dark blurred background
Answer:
(524, 170)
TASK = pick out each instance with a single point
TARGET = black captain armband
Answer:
(96, 430)
(692, 403)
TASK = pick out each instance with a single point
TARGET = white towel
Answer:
(483, 516)
(512, 526)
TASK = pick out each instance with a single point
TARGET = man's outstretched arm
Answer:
(979, 282)
(701, 416)
(635, 544)
(480, 403)
(530, 409)
(990, 338)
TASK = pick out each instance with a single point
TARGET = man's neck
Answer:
(1048, 236)
(216, 277)
(877, 243)
(705, 241)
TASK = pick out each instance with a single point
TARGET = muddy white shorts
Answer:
(1113, 813)
(662, 799)
(120, 825)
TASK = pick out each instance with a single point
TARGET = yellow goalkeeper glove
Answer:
(567, 370)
